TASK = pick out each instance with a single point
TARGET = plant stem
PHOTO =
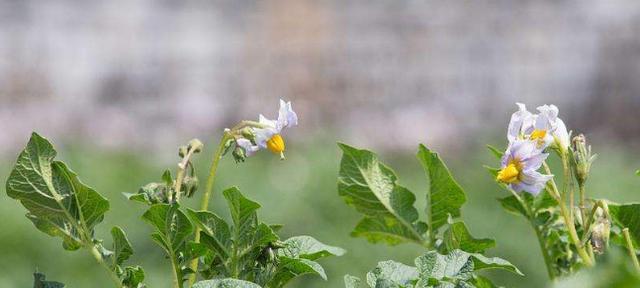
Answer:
(177, 274)
(543, 249)
(96, 254)
(568, 220)
(182, 166)
(204, 203)
(632, 251)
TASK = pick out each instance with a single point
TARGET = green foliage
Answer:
(445, 196)
(251, 250)
(60, 205)
(371, 187)
(627, 215)
(454, 269)
(225, 283)
(39, 281)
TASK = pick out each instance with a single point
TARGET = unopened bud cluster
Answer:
(582, 158)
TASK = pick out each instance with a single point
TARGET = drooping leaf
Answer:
(39, 281)
(481, 262)
(511, 204)
(458, 237)
(371, 187)
(58, 203)
(352, 282)
(627, 216)
(445, 196)
(225, 283)
(121, 247)
(289, 268)
(392, 274)
(309, 248)
(132, 277)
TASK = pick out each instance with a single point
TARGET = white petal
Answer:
(561, 134)
(263, 135)
(286, 116)
(265, 121)
(248, 147)
(519, 120)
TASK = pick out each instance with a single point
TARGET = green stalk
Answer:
(204, 203)
(568, 221)
(632, 251)
(543, 250)
(96, 254)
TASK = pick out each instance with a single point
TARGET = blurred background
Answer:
(119, 85)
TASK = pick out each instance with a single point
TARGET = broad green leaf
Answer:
(392, 274)
(243, 213)
(172, 226)
(495, 151)
(309, 248)
(225, 283)
(352, 281)
(433, 265)
(371, 187)
(458, 237)
(121, 247)
(215, 234)
(482, 282)
(627, 215)
(481, 262)
(39, 281)
(445, 195)
(289, 268)
(58, 203)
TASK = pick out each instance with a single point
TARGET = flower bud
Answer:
(582, 158)
(190, 185)
(182, 151)
(239, 154)
(248, 133)
(195, 145)
(600, 232)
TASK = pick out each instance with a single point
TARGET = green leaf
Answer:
(458, 237)
(121, 247)
(243, 213)
(638, 172)
(40, 282)
(58, 203)
(445, 195)
(289, 268)
(482, 262)
(225, 283)
(482, 282)
(627, 215)
(371, 187)
(352, 281)
(511, 204)
(133, 276)
(309, 248)
(495, 151)
(172, 226)
(215, 234)
(392, 274)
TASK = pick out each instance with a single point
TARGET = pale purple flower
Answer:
(544, 128)
(519, 167)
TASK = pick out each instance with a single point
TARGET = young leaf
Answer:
(289, 268)
(391, 274)
(216, 234)
(352, 281)
(58, 203)
(132, 277)
(40, 282)
(445, 195)
(458, 237)
(511, 204)
(309, 248)
(243, 213)
(121, 247)
(370, 187)
(225, 283)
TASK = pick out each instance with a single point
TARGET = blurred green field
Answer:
(299, 193)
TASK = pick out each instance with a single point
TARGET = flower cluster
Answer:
(265, 133)
(529, 135)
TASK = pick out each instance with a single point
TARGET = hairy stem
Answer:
(568, 220)
(545, 255)
(204, 203)
(630, 248)
(96, 254)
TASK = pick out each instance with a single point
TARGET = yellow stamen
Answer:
(508, 174)
(276, 145)
(538, 134)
